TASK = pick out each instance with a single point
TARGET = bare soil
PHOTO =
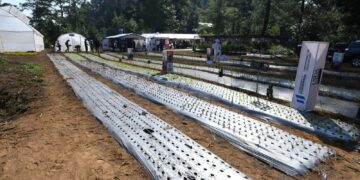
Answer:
(57, 138)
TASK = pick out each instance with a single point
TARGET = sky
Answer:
(17, 2)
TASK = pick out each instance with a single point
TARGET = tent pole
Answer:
(34, 42)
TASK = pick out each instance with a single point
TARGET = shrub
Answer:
(227, 46)
(279, 50)
(202, 46)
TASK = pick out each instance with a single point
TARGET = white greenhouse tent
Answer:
(75, 40)
(16, 34)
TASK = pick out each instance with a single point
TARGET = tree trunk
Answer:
(302, 9)
(267, 16)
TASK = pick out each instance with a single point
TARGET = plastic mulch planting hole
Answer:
(148, 131)
(282, 150)
(329, 128)
(160, 148)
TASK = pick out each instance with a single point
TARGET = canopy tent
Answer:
(126, 36)
(172, 36)
(106, 42)
(16, 35)
(75, 39)
(155, 40)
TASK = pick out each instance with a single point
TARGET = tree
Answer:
(266, 16)
(350, 11)
(120, 22)
(328, 20)
(216, 16)
(43, 18)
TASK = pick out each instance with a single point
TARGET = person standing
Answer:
(97, 46)
(78, 47)
(122, 49)
(58, 45)
(118, 45)
(67, 44)
(158, 45)
(91, 46)
(114, 44)
(86, 45)
(269, 92)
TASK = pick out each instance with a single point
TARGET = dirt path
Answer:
(57, 138)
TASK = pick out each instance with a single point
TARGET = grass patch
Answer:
(3, 60)
(21, 53)
(74, 56)
(35, 70)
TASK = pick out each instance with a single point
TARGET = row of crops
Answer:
(163, 150)
(272, 65)
(265, 109)
(284, 151)
(348, 94)
(325, 103)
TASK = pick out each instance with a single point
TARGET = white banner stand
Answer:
(309, 74)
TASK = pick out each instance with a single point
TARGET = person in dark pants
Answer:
(114, 44)
(91, 46)
(77, 47)
(133, 45)
(67, 44)
(122, 45)
(221, 72)
(161, 46)
(97, 46)
(86, 45)
(269, 92)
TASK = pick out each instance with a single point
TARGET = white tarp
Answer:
(138, 39)
(16, 35)
(126, 36)
(172, 36)
(17, 13)
(75, 39)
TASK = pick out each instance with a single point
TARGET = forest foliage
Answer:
(326, 20)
